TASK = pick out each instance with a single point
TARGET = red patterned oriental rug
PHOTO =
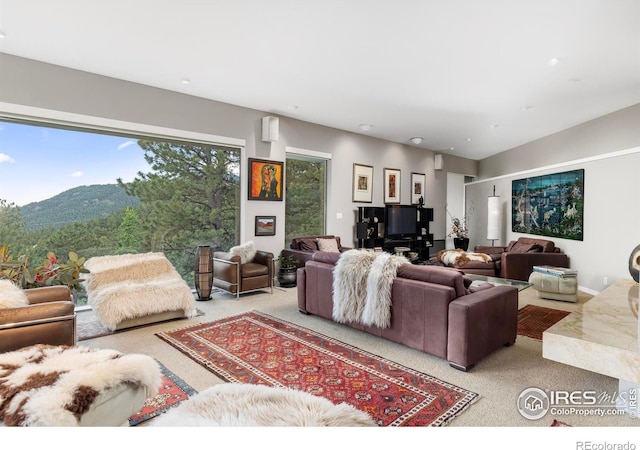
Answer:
(260, 349)
(534, 320)
(172, 392)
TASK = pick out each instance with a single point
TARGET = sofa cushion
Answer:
(522, 247)
(326, 257)
(547, 246)
(328, 245)
(308, 245)
(434, 274)
(11, 296)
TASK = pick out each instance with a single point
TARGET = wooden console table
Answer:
(603, 338)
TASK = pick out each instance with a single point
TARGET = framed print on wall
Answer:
(265, 225)
(265, 179)
(391, 186)
(417, 187)
(362, 183)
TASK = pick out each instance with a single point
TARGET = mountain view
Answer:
(79, 204)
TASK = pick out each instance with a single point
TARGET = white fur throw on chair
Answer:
(122, 287)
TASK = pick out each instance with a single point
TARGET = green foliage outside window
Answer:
(305, 197)
(189, 198)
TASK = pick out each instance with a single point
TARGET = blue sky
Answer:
(37, 163)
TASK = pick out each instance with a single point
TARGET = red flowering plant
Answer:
(51, 272)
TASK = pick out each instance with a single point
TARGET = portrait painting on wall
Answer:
(265, 179)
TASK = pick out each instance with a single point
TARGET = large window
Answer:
(94, 193)
(305, 209)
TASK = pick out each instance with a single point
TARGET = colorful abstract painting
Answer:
(549, 205)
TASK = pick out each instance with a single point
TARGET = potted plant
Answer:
(459, 232)
(287, 270)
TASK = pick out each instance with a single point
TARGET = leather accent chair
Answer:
(231, 275)
(49, 318)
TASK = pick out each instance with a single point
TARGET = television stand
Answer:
(397, 245)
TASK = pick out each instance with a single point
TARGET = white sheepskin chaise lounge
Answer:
(136, 289)
(47, 385)
(252, 405)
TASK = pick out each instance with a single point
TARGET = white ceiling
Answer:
(448, 70)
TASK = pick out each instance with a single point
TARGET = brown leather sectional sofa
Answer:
(434, 310)
(303, 248)
(516, 260)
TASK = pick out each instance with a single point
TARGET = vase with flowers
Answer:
(459, 232)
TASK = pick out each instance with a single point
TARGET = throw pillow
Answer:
(308, 245)
(328, 245)
(246, 252)
(521, 247)
(11, 296)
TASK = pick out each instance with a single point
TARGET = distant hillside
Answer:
(79, 204)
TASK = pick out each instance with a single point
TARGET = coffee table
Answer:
(521, 285)
(603, 337)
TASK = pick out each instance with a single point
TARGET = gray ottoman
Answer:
(554, 287)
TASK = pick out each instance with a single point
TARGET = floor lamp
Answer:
(494, 222)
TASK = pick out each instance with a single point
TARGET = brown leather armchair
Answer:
(231, 275)
(49, 318)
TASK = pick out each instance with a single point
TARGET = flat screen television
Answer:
(400, 221)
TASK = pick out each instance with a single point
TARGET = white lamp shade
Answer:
(494, 222)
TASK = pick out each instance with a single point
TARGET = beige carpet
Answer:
(499, 379)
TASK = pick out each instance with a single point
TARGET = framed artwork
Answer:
(265, 225)
(418, 181)
(265, 179)
(362, 183)
(391, 186)
(549, 205)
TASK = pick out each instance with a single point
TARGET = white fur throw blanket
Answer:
(252, 405)
(362, 287)
(46, 385)
(460, 257)
(121, 287)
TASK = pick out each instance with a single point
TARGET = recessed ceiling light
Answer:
(365, 126)
(468, 139)
(416, 140)
(186, 81)
(3, 34)
(553, 61)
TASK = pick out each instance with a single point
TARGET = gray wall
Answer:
(612, 222)
(56, 90)
(608, 149)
